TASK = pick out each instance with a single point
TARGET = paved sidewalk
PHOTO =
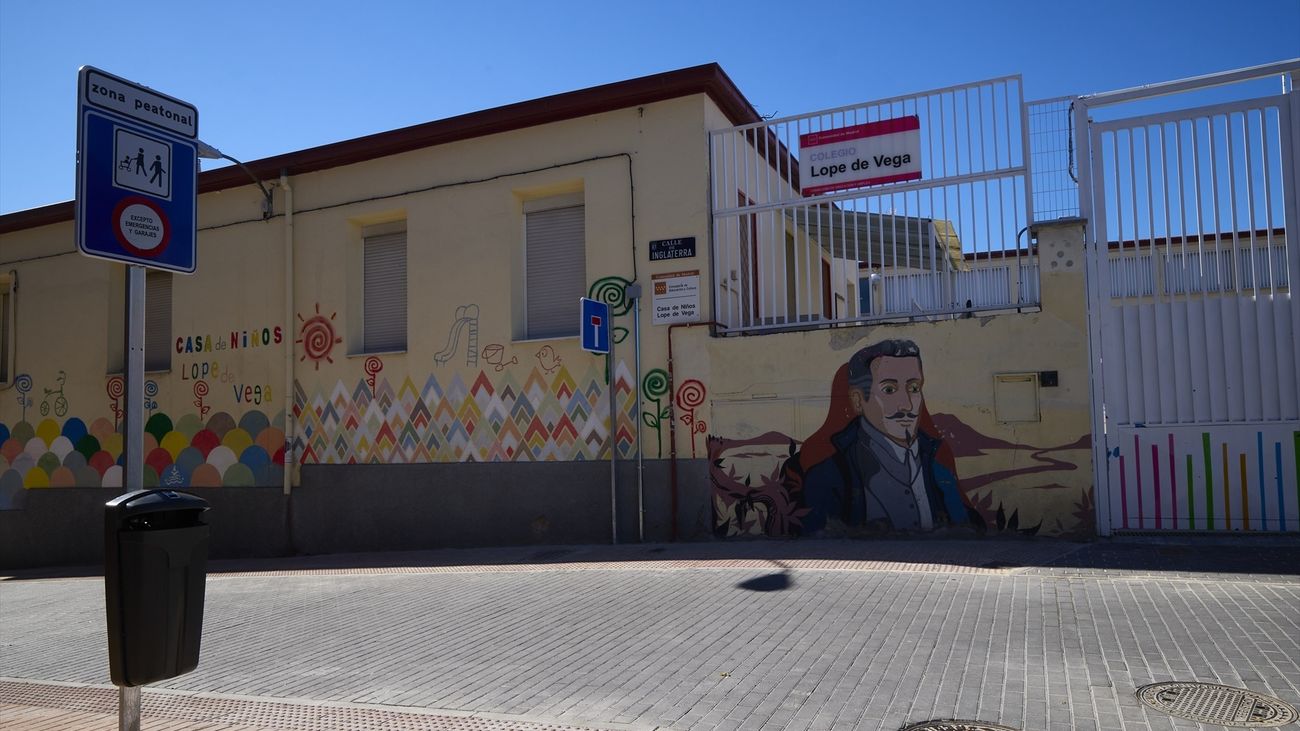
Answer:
(762, 635)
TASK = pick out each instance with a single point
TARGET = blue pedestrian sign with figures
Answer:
(595, 326)
(137, 164)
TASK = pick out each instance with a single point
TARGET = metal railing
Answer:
(950, 242)
(1200, 197)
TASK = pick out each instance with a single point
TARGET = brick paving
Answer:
(765, 635)
(33, 705)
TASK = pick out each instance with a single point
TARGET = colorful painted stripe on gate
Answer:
(1252, 510)
(1209, 481)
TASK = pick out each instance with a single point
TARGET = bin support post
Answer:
(128, 699)
(128, 709)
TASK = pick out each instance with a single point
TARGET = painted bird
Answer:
(548, 359)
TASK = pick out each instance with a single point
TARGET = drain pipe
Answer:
(288, 337)
(672, 421)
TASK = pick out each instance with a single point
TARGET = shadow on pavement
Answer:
(779, 581)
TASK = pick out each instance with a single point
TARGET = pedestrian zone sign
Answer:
(595, 326)
(137, 165)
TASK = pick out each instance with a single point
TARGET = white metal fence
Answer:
(953, 242)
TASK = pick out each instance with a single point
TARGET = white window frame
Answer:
(8, 325)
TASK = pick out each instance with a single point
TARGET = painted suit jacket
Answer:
(836, 487)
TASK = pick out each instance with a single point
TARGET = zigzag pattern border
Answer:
(546, 418)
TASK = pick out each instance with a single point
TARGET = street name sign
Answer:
(664, 249)
(595, 326)
(137, 163)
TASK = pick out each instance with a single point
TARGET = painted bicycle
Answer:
(60, 401)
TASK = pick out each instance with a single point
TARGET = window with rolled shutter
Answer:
(384, 293)
(555, 271)
(7, 328)
(157, 321)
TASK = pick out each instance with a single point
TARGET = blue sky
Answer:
(270, 78)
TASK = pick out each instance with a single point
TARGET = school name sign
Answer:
(888, 151)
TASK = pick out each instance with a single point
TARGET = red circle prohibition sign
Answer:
(140, 219)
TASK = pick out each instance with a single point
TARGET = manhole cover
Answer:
(955, 725)
(1221, 704)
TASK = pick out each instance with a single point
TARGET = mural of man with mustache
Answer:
(882, 475)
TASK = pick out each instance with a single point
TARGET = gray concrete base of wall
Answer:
(352, 508)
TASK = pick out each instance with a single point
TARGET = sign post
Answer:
(137, 165)
(128, 698)
(596, 329)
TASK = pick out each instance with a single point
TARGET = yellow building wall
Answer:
(218, 415)
(216, 412)
(1019, 450)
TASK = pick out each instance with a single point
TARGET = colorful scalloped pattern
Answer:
(189, 452)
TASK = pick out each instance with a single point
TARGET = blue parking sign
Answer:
(595, 326)
(137, 165)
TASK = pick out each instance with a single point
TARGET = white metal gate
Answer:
(1195, 332)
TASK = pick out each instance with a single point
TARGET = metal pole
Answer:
(1291, 212)
(613, 441)
(128, 709)
(1095, 254)
(128, 699)
(289, 460)
(133, 433)
(1207, 81)
(640, 463)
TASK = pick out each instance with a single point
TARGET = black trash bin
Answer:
(155, 567)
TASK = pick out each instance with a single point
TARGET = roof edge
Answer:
(707, 79)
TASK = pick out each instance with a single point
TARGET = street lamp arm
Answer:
(266, 194)
(211, 153)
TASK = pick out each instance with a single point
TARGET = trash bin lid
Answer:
(141, 502)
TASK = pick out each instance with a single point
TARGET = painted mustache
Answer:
(901, 415)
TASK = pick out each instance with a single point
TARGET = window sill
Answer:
(377, 352)
(522, 341)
